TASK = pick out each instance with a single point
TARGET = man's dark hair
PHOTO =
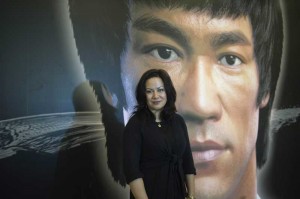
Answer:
(140, 93)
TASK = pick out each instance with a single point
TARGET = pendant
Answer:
(159, 125)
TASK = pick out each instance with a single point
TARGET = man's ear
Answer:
(264, 101)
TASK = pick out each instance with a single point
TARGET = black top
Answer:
(160, 155)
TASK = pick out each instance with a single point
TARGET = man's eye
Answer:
(230, 60)
(164, 54)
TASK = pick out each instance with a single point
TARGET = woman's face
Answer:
(155, 95)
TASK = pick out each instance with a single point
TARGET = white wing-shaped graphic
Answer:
(49, 133)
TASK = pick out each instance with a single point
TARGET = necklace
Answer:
(158, 123)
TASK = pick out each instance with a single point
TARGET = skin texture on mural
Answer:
(212, 64)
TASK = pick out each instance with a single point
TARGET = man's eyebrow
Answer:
(218, 40)
(150, 23)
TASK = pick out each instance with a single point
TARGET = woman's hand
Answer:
(138, 189)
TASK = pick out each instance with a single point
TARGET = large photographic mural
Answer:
(64, 100)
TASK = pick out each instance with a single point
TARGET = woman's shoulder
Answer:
(178, 118)
(132, 125)
(178, 121)
(135, 119)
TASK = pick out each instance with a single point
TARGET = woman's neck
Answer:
(157, 115)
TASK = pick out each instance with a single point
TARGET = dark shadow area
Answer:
(77, 174)
(282, 178)
(27, 175)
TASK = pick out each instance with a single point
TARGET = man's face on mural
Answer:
(212, 65)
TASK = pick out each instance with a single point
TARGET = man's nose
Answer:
(199, 97)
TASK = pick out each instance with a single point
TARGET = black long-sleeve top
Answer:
(160, 155)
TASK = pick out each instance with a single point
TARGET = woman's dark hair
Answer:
(140, 93)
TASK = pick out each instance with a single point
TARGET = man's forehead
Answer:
(195, 16)
(177, 21)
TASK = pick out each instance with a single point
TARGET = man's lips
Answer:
(206, 151)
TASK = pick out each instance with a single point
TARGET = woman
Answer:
(158, 162)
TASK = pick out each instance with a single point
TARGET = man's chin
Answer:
(208, 194)
(209, 188)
